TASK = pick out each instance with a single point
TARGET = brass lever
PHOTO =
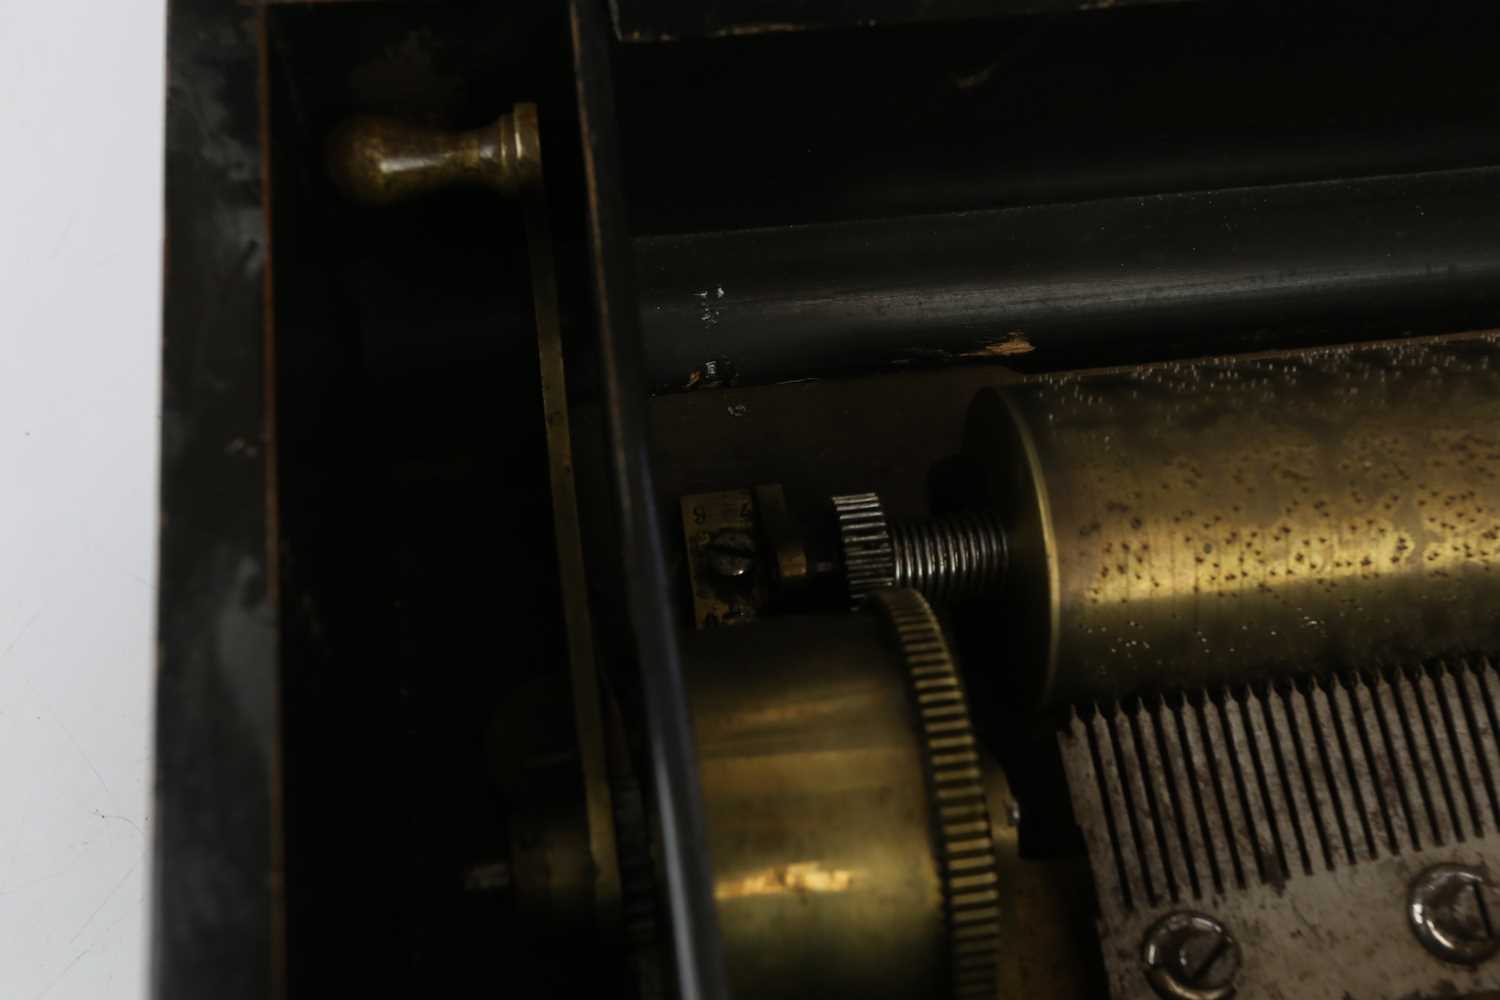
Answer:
(384, 160)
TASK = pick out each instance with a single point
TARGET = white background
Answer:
(81, 90)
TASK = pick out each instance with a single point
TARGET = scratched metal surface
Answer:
(1297, 818)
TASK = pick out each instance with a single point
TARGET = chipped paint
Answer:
(708, 305)
(711, 374)
(1014, 343)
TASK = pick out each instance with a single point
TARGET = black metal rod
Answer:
(1066, 285)
(674, 777)
(1042, 110)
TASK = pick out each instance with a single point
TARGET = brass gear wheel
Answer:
(955, 781)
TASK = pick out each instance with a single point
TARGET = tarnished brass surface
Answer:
(518, 169)
(1187, 524)
(818, 814)
(382, 160)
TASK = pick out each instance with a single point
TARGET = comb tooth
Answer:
(1270, 861)
(1278, 811)
(1329, 740)
(1158, 768)
(1459, 745)
(1143, 826)
(1136, 888)
(1403, 770)
(1357, 762)
(1481, 733)
(1385, 775)
(1407, 697)
(1227, 792)
(1196, 782)
(1085, 780)
(1440, 768)
(1300, 813)
(1323, 789)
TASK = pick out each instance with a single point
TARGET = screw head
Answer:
(731, 554)
(1453, 910)
(1191, 956)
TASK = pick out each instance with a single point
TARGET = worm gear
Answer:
(948, 557)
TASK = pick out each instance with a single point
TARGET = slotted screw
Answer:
(1453, 909)
(1191, 956)
(731, 554)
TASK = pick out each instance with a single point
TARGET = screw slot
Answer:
(1191, 956)
(1453, 909)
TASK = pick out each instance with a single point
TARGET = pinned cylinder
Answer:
(1181, 525)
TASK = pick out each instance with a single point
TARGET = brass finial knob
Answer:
(383, 160)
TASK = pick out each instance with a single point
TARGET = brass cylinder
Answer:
(1180, 525)
(819, 824)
